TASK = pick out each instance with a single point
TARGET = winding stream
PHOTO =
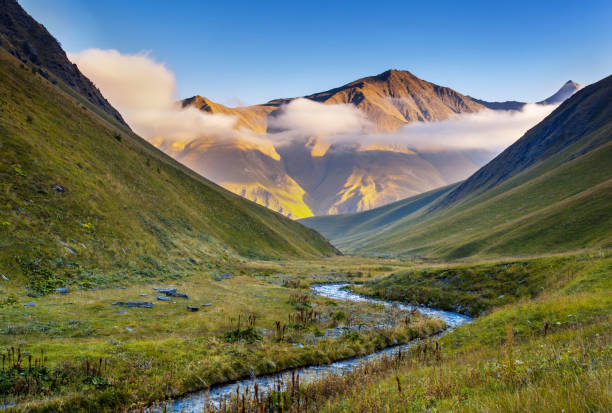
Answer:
(196, 402)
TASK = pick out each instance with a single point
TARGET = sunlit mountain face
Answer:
(370, 142)
(344, 150)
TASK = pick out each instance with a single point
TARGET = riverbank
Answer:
(152, 354)
(222, 394)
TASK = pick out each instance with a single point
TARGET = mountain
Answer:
(506, 105)
(396, 97)
(390, 100)
(307, 175)
(83, 196)
(550, 191)
(29, 41)
(568, 89)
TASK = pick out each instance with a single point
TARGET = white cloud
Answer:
(144, 91)
(308, 118)
(487, 129)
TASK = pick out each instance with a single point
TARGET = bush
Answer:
(249, 335)
(41, 280)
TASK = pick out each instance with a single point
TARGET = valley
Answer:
(388, 245)
(300, 169)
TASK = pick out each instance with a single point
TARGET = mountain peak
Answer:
(394, 73)
(31, 43)
(203, 103)
(568, 89)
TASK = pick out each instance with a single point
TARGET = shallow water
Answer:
(196, 402)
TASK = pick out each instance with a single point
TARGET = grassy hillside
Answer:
(31, 43)
(475, 288)
(547, 354)
(546, 350)
(554, 198)
(123, 208)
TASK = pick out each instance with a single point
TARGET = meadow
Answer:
(548, 353)
(81, 352)
(88, 353)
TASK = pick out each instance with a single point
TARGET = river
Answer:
(196, 402)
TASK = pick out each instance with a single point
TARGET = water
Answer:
(197, 402)
(338, 292)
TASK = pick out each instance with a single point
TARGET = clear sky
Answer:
(254, 51)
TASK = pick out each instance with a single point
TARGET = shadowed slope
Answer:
(551, 191)
(81, 191)
(33, 45)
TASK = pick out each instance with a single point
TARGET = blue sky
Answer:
(251, 52)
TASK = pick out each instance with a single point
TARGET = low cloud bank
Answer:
(309, 118)
(144, 91)
(488, 129)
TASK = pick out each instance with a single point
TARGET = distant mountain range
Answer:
(551, 191)
(81, 191)
(568, 89)
(307, 175)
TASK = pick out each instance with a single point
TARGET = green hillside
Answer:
(551, 191)
(124, 207)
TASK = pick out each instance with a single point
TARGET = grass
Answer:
(87, 205)
(548, 353)
(267, 321)
(78, 203)
(473, 289)
(561, 203)
(165, 351)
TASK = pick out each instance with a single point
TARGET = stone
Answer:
(226, 276)
(140, 304)
(143, 294)
(59, 188)
(206, 305)
(30, 304)
(4, 277)
(163, 298)
(129, 329)
(61, 290)
(193, 309)
(171, 292)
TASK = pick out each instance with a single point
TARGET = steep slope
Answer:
(551, 191)
(569, 123)
(390, 100)
(252, 118)
(567, 90)
(306, 176)
(396, 97)
(301, 176)
(83, 196)
(34, 46)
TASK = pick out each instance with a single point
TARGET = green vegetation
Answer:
(473, 289)
(250, 324)
(92, 218)
(560, 202)
(549, 353)
(83, 198)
